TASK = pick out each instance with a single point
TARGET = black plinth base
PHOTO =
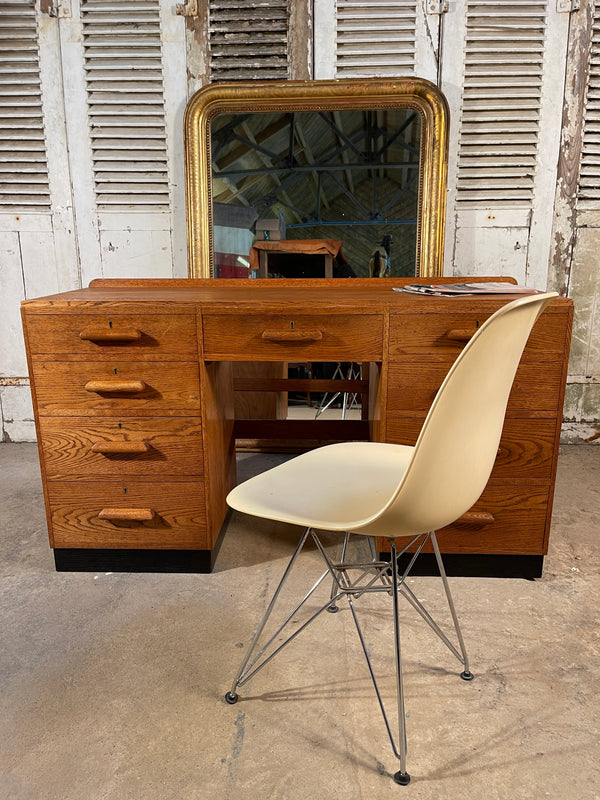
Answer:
(100, 560)
(474, 566)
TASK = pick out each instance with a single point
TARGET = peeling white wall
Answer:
(582, 400)
(575, 239)
(73, 243)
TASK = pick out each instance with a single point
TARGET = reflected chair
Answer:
(349, 399)
(396, 492)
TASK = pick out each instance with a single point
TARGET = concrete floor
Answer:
(112, 684)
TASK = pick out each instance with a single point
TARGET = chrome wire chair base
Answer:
(352, 580)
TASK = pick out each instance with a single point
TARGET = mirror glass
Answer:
(319, 193)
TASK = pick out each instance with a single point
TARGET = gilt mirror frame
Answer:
(288, 96)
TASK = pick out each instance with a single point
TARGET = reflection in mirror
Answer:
(316, 193)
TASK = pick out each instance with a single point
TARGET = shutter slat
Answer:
(133, 166)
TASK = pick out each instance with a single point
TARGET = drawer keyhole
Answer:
(291, 325)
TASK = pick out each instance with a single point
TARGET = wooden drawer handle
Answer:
(110, 448)
(127, 514)
(460, 334)
(111, 335)
(477, 518)
(130, 387)
(292, 335)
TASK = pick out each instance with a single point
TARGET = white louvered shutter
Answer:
(23, 168)
(501, 102)
(589, 174)
(505, 93)
(248, 39)
(375, 38)
(124, 72)
(37, 244)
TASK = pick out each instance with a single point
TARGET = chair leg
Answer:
(232, 696)
(334, 608)
(402, 777)
(466, 674)
(372, 542)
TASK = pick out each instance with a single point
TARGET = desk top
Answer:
(333, 296)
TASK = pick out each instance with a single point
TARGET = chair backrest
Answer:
(458, 443)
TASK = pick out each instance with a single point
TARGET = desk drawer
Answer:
(294, 337)
(517, 527)
(526, 447)
(413, 386)
(121, 336)
(77, 388)
(87, 448)
(447, 334)
(135, 514)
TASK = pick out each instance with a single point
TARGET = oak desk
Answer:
(133, 397)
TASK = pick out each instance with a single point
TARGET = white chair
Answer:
(396, 491)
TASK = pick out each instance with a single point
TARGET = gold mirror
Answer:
(352, 171)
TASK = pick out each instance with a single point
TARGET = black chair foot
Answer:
(466, 675)
(231, 698)
(403, 778)
(333, 609)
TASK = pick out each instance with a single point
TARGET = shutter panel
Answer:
(123, 70)
(504, 53)
(23, 168)
(248, 40)
(589, 175)
(375, 38)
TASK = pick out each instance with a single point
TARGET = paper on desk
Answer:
(455, 289)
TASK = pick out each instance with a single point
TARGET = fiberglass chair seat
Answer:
(396, 491)
(355, 481)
